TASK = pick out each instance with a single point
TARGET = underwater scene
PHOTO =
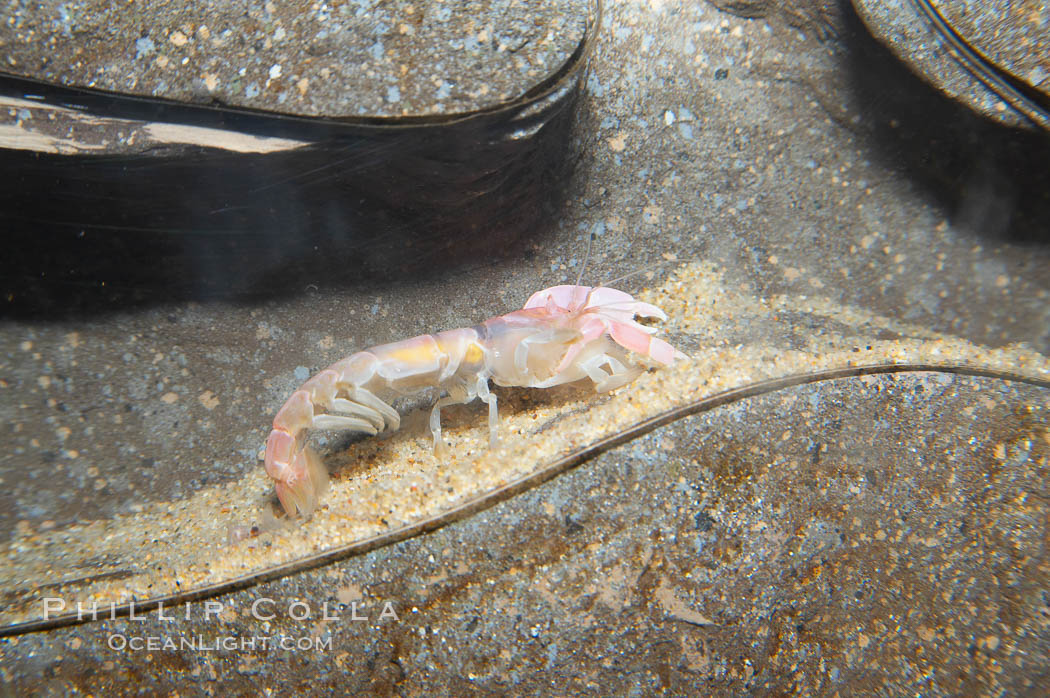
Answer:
(578, 347)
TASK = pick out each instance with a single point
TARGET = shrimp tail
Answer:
(304, 490)
(297, 470)
(299, 474)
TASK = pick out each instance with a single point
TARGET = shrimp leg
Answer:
(617, 376)
(485, 394)
(460, 395)
(457, 395)
(365, 399)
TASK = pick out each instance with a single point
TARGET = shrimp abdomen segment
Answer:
(344, 397)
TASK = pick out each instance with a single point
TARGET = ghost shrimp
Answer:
(563, 334)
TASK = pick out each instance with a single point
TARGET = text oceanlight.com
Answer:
(225, 643)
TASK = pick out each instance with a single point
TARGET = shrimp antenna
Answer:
(583, 268)
(644, 269)
(586, 258)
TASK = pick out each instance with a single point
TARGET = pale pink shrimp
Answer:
(563, 334)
